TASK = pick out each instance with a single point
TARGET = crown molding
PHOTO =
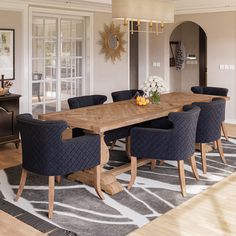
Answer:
(181, 6)
(81, 5)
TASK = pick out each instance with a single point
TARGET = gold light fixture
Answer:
(156, 13)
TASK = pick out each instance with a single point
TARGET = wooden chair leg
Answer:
(182, 177)
(214, 145)
(203, 156)
(58, 179)
(161, 163)
(51, 192)
(220, 149)
(133, 171)
(97, 181)
(24, 174)
(225, 132)
(194, 167)
(153, 164)
(128, 146)
(113, 144)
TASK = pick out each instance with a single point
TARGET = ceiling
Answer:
(181, 6)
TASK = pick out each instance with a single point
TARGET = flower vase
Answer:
(155, 97)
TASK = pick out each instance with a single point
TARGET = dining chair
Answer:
(218, 92)
(209, 127)
(92, 100)
(84, 101)
(174, 143)
(125, 94)
(45, 153)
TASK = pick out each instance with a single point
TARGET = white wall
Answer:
(108, 77)
(220, 29)
(13, 20)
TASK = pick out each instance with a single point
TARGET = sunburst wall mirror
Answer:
(112, 42)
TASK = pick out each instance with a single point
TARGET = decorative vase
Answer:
(155, 97)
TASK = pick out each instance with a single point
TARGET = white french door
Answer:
(58, 62)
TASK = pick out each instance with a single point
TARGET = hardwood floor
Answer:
(10, 226)
(210, 213)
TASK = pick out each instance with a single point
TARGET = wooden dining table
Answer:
(101, 118)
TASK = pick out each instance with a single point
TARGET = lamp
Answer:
(151, 11)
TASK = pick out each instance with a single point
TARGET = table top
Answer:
(101, 118)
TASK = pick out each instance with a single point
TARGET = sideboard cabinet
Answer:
(9, 109)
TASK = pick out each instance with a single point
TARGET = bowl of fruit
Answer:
(142, 101)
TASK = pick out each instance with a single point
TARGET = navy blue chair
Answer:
(214, 91)
(93, 100)
(45, 153)
(84, 101)
(125, 94)
(210, 90)
(209, 127)
(174, 143)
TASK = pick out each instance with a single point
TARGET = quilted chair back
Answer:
(41, 143)
(174, 143)
(182, 142)
(210, 90)
(209, 122)
(125, 94)
(85, 101)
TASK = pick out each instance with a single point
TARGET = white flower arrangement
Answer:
(153, 85)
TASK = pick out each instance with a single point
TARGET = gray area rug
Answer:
(78, 209)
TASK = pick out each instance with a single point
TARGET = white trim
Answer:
(23, 9)
(128, 56)
(75, 6)
(230, 121)
(91, 57)
(147, 51)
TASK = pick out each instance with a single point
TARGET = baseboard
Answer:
(230, 121)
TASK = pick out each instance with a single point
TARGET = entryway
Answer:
(188, 57)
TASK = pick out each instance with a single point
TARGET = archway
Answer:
(188, 57)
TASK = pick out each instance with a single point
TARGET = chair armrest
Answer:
(149, 142)
(82, 152)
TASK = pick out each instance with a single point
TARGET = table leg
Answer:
(109, 182)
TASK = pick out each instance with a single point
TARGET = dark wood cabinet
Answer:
(9, 109)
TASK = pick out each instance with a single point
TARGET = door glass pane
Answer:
(37, 92)
(64, 105)
(50, 107)
(50, 90)
(37, 110)
(76, 48)
(79, 67)
(50, 68)
(66, 89)
(50, 48)
(37, 48)
(38, 27)
(38, 67)
(50, 28)
(66, 48)
(65, 28)
(65, 67)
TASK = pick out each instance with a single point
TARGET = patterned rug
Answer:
(77, 208)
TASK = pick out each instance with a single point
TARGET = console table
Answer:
(9, 109)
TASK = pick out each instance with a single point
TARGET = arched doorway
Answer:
(188, 57)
